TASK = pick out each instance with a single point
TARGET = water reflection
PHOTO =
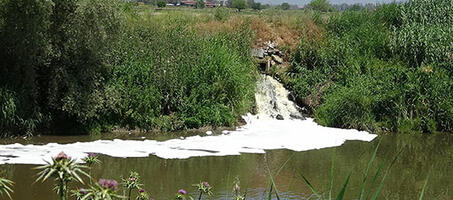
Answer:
(163, 177)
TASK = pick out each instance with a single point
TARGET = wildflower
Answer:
(132, 179)
(141, 190)
(181, 191)
(108, 184)
(83, 191)
(206, 184)
(62, 156)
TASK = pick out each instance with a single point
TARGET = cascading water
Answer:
(278, 124)
(272, 100)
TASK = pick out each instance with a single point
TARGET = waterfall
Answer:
(272, 100)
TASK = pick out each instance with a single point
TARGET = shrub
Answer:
(161, 4)
(239, 4)
(285, 6)
(222, 14)
(200, 4)
(348, 107)
(256, 6)
(319, 5)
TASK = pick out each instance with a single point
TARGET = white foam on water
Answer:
(262, 132)
(258, 135)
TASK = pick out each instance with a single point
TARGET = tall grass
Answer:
(383, 70)
(363, 193)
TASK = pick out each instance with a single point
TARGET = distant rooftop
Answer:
(304, 2)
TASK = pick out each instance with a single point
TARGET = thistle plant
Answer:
(182, 195)
(143, 195)
(104, 189)
(203, 188)
(5, 187)
(237, 190)
(90, 161)
(63, 169)
(131, 183)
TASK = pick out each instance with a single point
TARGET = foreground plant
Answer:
(5, 187)
(237, 190)
(64, 169)
(143, 195)
(104, 189)
(132, 183)
(90, 161)
(182, 195)
(363, 193)
(203, 188)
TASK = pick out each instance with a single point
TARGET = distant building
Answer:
(210, 4)
(188, 3)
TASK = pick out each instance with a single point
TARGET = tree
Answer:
(285, 6)
(239, 4)
(200, 4)
(319, 5)
(250, 3)
(161, 4)
(256, 6)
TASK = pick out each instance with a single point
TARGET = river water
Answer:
(173, 161)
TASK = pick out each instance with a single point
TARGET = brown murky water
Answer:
(163, 177)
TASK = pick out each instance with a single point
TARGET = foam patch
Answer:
(257, 136)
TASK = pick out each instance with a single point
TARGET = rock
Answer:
(257, 52)
(277, 59)
(273, 63)
(279, 117)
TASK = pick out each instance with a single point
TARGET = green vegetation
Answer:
(78, 66)
(200, 4)
(5, 187)
(285, 6)
(319, 5)
(384, 70)
(161, 4)
(239, 4)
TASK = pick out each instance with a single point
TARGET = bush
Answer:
(222, 14)
(161, 4)
(239, 4)
(200, 4)
(348, 107)
(285, 6)
(256, 6)
(319, 5)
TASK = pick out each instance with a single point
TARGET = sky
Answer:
(303, 2)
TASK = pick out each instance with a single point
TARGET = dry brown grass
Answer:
(286, 31)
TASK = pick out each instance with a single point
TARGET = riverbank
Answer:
(177, 69)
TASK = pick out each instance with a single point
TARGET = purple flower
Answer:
(141, 190)
(62, 156)
(108, 184)
(206, 184)
(91, 154)
(83, 191)
(181, 191)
